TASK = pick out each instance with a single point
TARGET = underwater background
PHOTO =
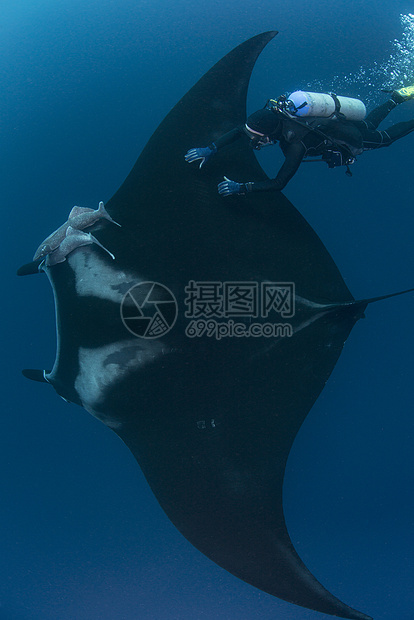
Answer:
(84, 85)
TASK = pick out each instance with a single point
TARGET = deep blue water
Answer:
(81, 536)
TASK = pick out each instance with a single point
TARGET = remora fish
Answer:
(79, 219)
(73, 239)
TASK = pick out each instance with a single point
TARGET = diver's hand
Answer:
(228, 188)
(202, 153)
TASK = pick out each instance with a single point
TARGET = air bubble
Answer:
(392, 73)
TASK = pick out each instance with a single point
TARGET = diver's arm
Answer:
(228, 138)
(203, 154)
(294, 154)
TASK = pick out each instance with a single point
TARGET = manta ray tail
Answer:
(372, 300)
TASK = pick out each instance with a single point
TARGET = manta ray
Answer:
(173, 340)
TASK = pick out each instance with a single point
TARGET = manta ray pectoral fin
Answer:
(35, 374)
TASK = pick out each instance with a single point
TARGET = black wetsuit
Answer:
(337, 141)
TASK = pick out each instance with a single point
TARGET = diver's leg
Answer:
(399, 130)
(377, 115)
(376, 139)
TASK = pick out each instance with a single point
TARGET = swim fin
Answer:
(403, 94)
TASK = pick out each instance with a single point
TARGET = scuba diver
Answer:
(336, 132)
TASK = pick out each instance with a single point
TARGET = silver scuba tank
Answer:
(320, 104)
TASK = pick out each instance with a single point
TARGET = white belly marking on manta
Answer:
(97, 278)
(100, 369)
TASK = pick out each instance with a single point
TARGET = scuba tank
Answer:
(304, 104)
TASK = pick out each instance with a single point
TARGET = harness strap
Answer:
(337, 112)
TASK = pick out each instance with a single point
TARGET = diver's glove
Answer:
(203, 153)
(228, 188)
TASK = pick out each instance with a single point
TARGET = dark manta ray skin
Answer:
(211, 422)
